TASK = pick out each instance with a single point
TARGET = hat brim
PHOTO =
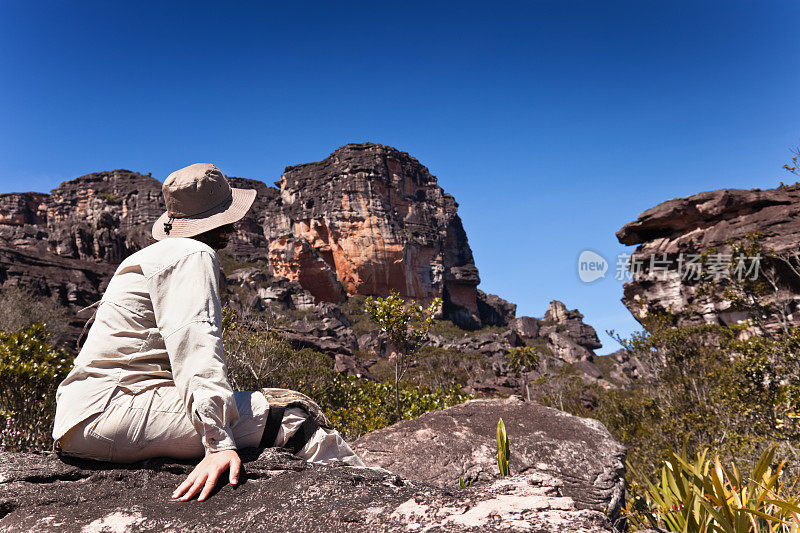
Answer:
(230, 211)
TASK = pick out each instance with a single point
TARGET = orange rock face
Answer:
(367, 220)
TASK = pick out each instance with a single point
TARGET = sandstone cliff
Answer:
(706, 222)
(66, 245)
(366, 220)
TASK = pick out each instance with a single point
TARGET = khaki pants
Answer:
(153, 423)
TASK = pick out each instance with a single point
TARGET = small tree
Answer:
(406, 323)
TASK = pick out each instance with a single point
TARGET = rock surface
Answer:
(278, 493)
(494, 311)
(66, 245)
(577, 454)
(692, 225)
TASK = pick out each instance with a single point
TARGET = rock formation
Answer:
(565, 472)
(562, 343)
(706, 222)
(369, 219)
(66, 245)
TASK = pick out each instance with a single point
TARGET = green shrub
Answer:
(437, 368)
(406, 324)
(22, 309)
(258, 357)
(713, 389)
(523, 359)
(30, 371)
(110, 198)
(357, 406)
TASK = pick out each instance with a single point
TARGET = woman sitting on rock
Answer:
(150, 380)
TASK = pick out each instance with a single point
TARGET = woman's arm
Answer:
(186, 304)
(187, 308)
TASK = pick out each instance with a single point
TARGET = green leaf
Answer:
(503, 449)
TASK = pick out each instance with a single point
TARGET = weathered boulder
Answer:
(264, 291)
(278, 493)
(566, 349)
(494, 311)
(326, 330)
(525, 326)
(681, 227)
(569, 323)
(440, 446)
(490, 343)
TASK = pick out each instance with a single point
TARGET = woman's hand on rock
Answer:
(207, 472)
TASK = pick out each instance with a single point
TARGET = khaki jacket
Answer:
(158, 324)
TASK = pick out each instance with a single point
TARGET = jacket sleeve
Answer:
(187, 309)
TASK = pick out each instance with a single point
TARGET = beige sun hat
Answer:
(199, 198)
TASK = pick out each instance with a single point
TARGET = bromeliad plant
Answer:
(699, 495)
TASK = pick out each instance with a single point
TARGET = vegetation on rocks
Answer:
(259, 357)
(22, 309)
(31, 369)
(715, 389)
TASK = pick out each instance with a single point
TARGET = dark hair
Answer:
(211, 236)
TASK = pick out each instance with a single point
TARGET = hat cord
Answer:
(168, 225)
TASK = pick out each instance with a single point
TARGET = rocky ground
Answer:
(563, 342)
(567, 476)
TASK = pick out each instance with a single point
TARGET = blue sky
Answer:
(552, 123)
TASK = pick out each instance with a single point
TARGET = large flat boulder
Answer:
(42, 492)
(578, 454)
